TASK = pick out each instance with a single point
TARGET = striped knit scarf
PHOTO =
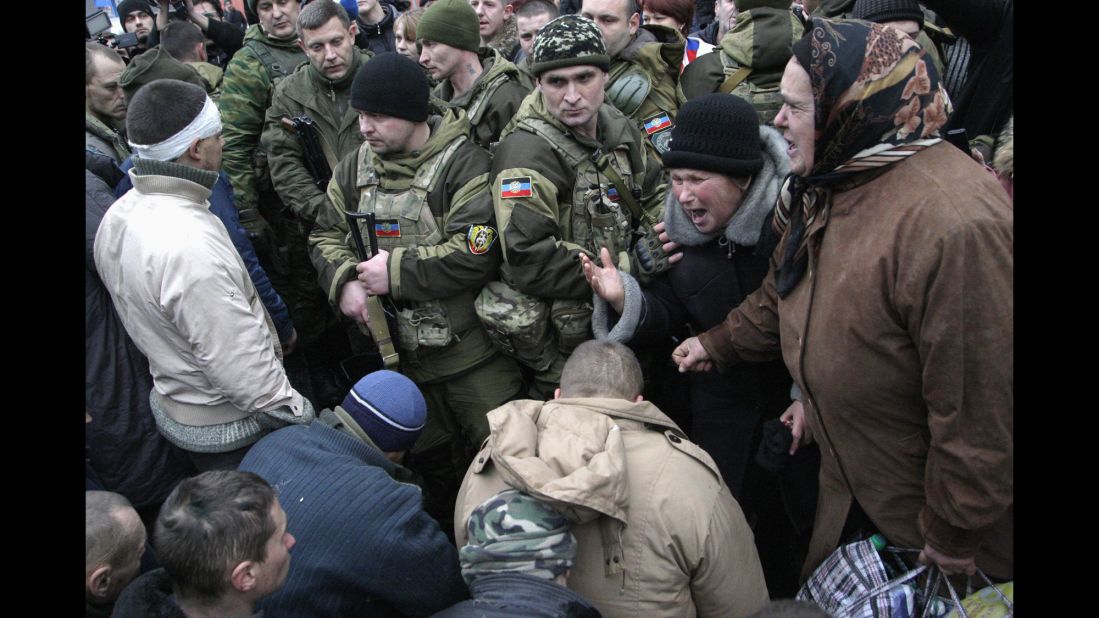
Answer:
(876, 103)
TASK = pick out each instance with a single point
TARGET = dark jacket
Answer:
(514, 594)
(378, 37)
(148, 596)
(365, 545)
(987, 98)
(223, 207)
(717, 272)
(123, 445)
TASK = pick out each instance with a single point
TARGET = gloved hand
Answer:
(653, 253)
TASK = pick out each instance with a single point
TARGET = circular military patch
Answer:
(662, 140)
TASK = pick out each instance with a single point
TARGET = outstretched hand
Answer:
(605, 281)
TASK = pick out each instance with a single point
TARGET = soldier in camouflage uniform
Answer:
(750, 59)
(321, 90)
(644, 67)
(517, 560)
(476, 79)
(426, 183)
(270, 53)
(554, 196)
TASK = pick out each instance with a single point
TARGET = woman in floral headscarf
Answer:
(890, 299)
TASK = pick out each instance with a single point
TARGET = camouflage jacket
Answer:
(450, 271)
(105, 139)
(760, 41)
(307, 92)
(492, 101)
(245, 96)
(643, 79)
(539, 223)
(212, 75)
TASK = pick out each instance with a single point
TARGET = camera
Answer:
(125, 40)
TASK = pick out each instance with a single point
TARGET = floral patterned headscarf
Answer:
(876, 101)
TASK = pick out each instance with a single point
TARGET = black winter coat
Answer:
(507, 595)
(716, 273)
(122, 442)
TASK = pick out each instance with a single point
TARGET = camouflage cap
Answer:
(514, 532)
(569, 40)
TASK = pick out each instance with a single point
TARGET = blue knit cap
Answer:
(389, 408)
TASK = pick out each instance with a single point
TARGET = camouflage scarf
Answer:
(877, 102)
(513, 532)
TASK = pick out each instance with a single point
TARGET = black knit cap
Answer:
(881, 11)
(392, 85)
(129, 6)
(716, 133)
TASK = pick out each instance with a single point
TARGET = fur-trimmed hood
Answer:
(744, 228)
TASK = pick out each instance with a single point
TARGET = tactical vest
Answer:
(767, 101)
(404, 219)
(479, 105)
(278, 62)
(597, 218)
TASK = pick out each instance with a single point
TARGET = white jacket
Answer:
(186, 299)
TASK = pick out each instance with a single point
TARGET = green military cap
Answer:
(153, 65)
(450, 22)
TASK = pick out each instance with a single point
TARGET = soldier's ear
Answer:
(353, 29)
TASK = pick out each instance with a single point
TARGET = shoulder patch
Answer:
(658, 122)
(480, 238)
(516, 187)
(659, 130)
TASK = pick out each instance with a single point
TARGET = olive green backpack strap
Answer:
(734, 80)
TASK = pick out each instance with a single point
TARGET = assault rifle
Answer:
(319, 161)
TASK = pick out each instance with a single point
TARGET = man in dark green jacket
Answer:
(426, 183)
(555, 196)
(321, 90)
(476, 79)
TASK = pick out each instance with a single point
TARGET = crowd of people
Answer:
(543, 307)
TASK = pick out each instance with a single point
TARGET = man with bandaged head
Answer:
(182, 291)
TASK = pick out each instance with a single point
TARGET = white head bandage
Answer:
(206, 124)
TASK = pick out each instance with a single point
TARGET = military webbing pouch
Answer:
(571, 320)
(425, 325)
(517, 324)
(648, 252)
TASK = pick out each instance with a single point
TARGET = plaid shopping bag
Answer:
(853, 583)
